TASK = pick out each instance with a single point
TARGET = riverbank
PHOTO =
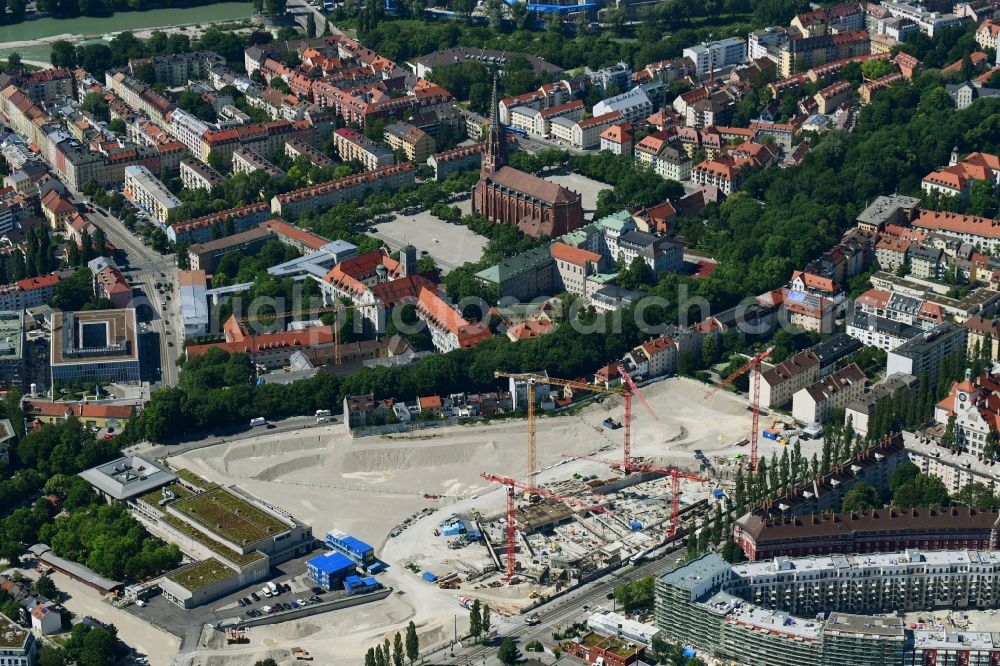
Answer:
(32, 39)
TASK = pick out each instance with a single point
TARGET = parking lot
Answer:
(187, 624)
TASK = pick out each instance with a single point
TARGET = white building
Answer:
(815, 403)
(17, 644)
(188, 129)
(634, 105)
(781, 382)
(766, 43)
(929, 23)
(146, 190)
(710, 56)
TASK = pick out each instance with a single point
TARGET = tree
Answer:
(63, 54)
(397, 650)
(732, 553)
(14, 61)
(475, 620)
(861, 496)
(921, 491)
(266, 662)
(976, 494)
(275, 7)
(370, 657)
(412, 643)
(311, 24)
(485, 620)
(95, 104)
(903, 474)
(709, 351)
(508, 652)
(75, 291)
(45, 587)
(948, 438)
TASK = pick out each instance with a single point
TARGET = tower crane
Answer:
(754, 403)
(511, 485)
(337, 308)
(531, 379)
(675, 483)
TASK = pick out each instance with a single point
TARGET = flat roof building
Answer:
(194, 303)
(127, 477)
(11, 348)
(94, 346)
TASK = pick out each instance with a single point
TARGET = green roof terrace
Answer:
(230, 517)
(197, 575)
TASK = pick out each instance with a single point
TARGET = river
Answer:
(94, 27)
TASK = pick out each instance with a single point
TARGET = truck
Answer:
(272, 587)
(770, 433)
(323, 412)
(258, 421)
(532, 620)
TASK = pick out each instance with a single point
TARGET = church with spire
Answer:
(506, 195)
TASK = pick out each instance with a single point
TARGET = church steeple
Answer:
(495, 150)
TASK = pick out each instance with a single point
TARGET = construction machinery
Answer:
(754, 403)
(336, 309)
(626, 391)
(513, 485)
(675, 483)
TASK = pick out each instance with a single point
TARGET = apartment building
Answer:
(457, 159)
(247, 161)
(176, 69)
(45, 85)
(350, 188)
(295, 149)
(923, 355)
(353, 145)
(188, 129)
(617, 139)
(197, 175)
(815, 403)
(830, 98)
(586, 133)
(146, 191)
(217, 225)
(415, 143)
(782, 381)
(633, 105)
(711, 56)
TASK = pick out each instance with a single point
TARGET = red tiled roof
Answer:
(40, 282)
(574, 255)
(959, 224)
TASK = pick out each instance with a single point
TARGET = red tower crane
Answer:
(633, 389)
(511, 485)
(675, 483)
(754, 404)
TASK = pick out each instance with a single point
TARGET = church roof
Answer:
(529, 184)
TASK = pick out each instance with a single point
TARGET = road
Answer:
(147, 267)
(299, 10)
(562, 611)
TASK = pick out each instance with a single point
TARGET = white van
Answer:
(322, 419)
(259, 421)
(323, 412)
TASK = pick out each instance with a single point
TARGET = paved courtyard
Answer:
(450, 244)
(586, 187)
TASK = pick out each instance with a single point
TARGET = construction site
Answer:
(459, 512)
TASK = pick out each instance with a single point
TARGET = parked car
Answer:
(254, 596)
